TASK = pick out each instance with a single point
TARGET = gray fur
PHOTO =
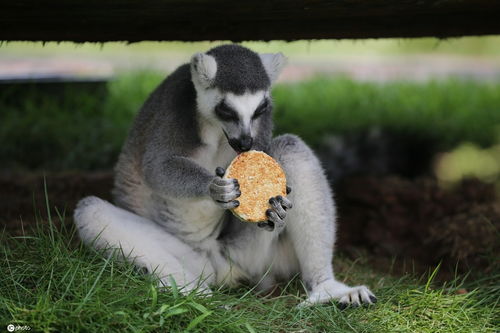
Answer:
(170, 211)
(164, 132)
(239, 69)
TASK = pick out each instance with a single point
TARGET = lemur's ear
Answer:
(273, 63)
(203, 69)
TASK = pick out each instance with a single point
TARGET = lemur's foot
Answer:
(277, 213)
(224, 191)
(346, 296)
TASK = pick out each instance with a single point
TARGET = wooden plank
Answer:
(196, 20)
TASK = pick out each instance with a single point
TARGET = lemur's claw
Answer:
(342, 306)
(220, 171)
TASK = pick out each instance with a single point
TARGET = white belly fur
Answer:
(199, 216)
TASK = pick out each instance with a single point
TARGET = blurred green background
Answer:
(446, 90)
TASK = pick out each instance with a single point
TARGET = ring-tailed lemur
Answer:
(171, 210)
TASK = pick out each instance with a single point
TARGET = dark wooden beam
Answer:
(196, 20)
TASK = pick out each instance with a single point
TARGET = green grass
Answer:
(52, 285)
(81, 130)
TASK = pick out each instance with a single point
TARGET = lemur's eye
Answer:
(262, 108)
(225, 112)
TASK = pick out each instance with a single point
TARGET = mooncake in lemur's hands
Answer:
(260, 178)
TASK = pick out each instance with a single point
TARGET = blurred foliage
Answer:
(80, 129)
(72, 129)
(468, 160)
(450, 111)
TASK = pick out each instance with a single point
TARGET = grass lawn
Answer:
(53, 285)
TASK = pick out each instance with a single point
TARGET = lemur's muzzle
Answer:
(242, 144)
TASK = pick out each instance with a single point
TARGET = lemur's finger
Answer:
(226, 197)
(285, 202)
(288, 189)
(276, 204)
(215, 187)
(225, 181)
(224, 193)
(272, 216)
(267, 225)
(229, 205)
(220, 171)
(354, 299)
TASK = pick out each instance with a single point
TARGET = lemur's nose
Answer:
(245, 143)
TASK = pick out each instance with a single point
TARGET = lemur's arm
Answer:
(175, 175)
(181, 177)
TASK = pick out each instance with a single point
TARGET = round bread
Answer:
(260, 178)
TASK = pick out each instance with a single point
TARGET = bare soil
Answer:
(420, 221)
(405, 224)
(22, 196)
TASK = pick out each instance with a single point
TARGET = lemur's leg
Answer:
(310, 224)
(103, 225)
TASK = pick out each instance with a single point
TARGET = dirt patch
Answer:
(23, 195)
(419, 220)
(386, 217)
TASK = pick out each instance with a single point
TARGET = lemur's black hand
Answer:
(277, 213)
(224, 191)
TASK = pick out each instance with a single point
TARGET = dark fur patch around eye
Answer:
(262, 108)
(226, 113)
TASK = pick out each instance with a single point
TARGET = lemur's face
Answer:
(238, 116)
(238, 109)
